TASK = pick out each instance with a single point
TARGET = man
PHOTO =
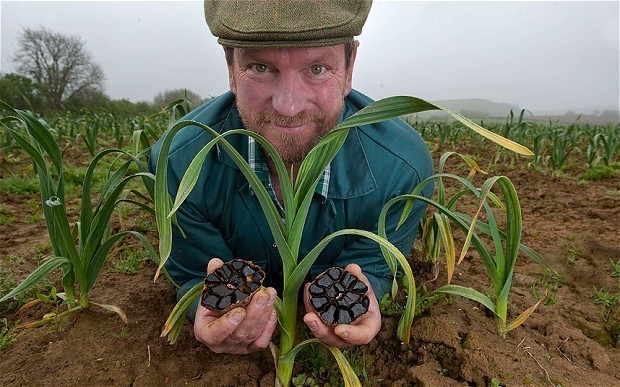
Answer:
(290, 66)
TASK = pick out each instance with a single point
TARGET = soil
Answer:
(572, 342)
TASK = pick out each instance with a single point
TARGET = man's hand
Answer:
(240, 331)
(361, 331)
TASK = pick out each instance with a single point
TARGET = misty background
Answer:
(547, 57)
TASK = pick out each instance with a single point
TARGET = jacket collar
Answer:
(351, 175)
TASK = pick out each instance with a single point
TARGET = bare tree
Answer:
(59, 62)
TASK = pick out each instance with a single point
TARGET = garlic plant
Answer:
(80, 251)
(287, 232)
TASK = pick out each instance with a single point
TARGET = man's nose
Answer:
(289, 95)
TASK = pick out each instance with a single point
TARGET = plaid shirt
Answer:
(259, 166)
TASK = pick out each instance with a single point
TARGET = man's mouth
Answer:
(287, 124)
(289, 127)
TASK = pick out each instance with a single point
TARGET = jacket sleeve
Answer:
(187, 264)
(191, 253)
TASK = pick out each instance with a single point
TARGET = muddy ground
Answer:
(572, 341)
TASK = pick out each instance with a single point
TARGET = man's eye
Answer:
(317, 69)
(260, 68)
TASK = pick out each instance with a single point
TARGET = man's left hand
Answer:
(361, 331)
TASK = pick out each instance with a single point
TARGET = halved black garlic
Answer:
(231, 285)
(338, 297)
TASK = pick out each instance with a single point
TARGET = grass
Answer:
(32, 215)
(130, 262)
(573, 254)
(427, 299)
(609, 302)
(550, 281)
(9, 278)
(389, 307)
(19, 184)
(14, 260)
(34, 211)
(74, 176)
(320, 370)
(6, 219)
(360, 363)
(496, 382)
(56, 319)
(6, 214)
(122, 334)
(42, 251)
(605, 298)
(8, 335)
(600, 172)
(7, 283)
(146, 224)
(615, 267)
(303, 380)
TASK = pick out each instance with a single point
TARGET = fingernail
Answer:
(273, 318)
(312, 325)
(262, 301)
(272, 299)
(237, 317)
(344, 335)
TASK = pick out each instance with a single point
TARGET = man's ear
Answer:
(349, 75)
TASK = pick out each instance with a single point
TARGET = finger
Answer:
(220, 329)
(258, 312)
(262, 306)
(204, 316)
(262, 301)
(363, 330)
(309, 308)
(263, 340)
(359, 334)
(356, 271)
(322, 331)
(213, 264)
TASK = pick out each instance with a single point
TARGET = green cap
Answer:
(285, 23)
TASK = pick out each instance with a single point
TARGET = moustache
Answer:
(296, 120)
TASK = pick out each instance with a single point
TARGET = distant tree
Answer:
(165, 97)
(58, 61)
(20, 92)
(128, 108)
(87, 98)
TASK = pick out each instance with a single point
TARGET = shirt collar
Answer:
(347, 176)
(257, 163)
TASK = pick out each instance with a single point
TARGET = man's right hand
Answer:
(240, 331)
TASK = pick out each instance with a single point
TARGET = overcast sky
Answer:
(543, 56)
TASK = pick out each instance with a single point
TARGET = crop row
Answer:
(555, 145)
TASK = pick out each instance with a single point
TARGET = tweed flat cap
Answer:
(285, 23)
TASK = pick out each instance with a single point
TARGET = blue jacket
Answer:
(222, 218)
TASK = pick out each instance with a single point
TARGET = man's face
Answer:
(290, 96)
